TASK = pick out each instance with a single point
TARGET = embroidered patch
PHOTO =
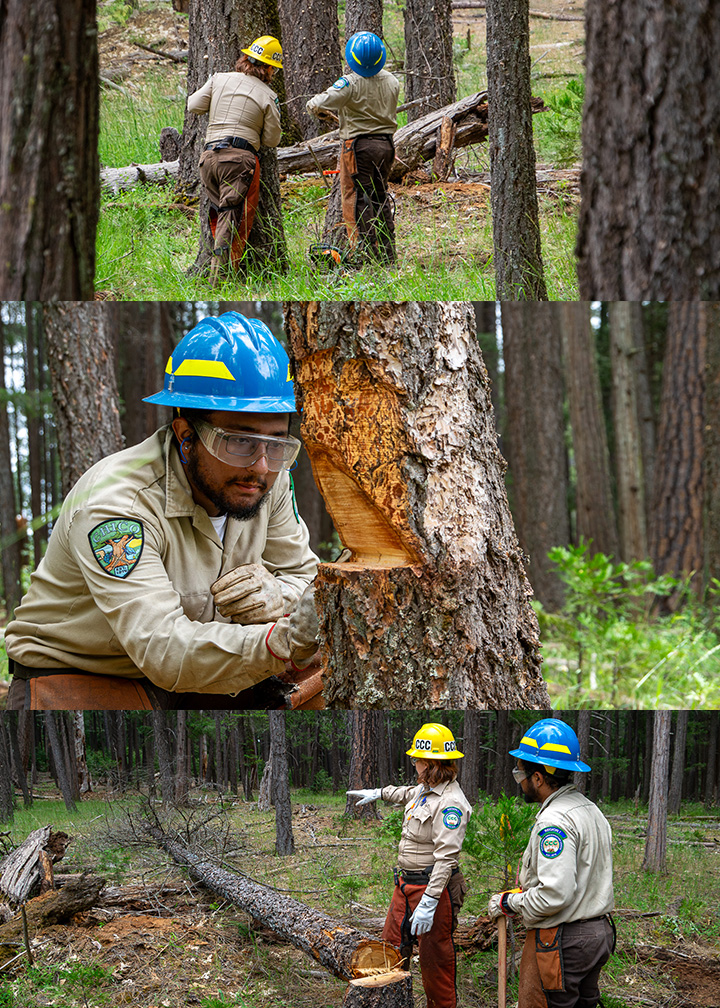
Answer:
(117, 545)
(552, 841)
(452, 817)
(341, 83)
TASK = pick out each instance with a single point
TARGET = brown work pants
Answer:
(437, 952)
(560, 967)
(231, 177)
(365, 164)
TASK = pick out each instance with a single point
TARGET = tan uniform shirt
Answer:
(433, 829)
(363, 104)
(124, 587)
(566, 872)
(239, 105)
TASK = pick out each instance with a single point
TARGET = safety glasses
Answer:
(519, 774)
(243, 449)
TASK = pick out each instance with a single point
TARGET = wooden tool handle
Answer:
(502, 961)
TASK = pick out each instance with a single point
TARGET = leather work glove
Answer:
(366, 796)
(503, 903)
(294, 638)
(422, 916)
(249, 594)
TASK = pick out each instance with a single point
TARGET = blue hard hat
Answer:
(552, 743)
(365, 53)
(228, 363)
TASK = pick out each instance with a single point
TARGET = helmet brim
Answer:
(438, 756)
(222, 403)
(543, 760)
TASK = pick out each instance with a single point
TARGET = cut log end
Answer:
(375, 956)
(385, 990)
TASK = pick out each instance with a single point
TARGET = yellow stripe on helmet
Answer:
(546, 746)
(204, 369)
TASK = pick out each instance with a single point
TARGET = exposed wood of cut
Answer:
(55, 907)
(342, 950)
(387, 990)
(433, 609)
(444, 157)
(30, 863)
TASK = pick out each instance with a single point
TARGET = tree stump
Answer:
(31, 863)
(388, 990)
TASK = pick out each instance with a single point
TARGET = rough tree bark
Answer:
(711, 448)
(429, 72)
(363, 15)
(9, 543)
(656, 843)
(81, 361)
(594, 508)
(433, 609)
(284, 842)
(343, 951)
(513, 191)
(217, 34)
(49, 185)
(53, 727)
(537, 457)
(650, 184)
(24, 869)
(678, 763)
(311, 49)
(391, 990)
(364, 772)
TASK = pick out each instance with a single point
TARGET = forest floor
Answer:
(156, 940)
(444, 229)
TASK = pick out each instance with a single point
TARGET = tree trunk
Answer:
(594, 508)
(264, 802)
(7, 797)
(81, 362)
(311, 47)
(363, 15)
(433, 610)
(469, 777)
(12, 719)
(9, 542)
(218, 33)
(58, 906)
(624, 318)
(182, 784)
(24, 868)
(676, 523)
(49, 169)
(656, 843)
(429, 72)
(711, 447)
(513, 191)
(537, 457)
(390, 990)
(344, 951)
(284, 842)
(61, 768)
(583, 734)
(678, 763)
(364, 772)
(650, 185)
(162, 748)
(34, 413)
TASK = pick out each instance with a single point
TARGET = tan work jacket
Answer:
(124, 588)
(566, 872)
(433, 829)
(241, 106)
(363, 104)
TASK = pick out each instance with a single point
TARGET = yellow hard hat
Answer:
(266, 49)
(434, 741)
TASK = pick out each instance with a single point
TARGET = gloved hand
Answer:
(294, 637)
(366, 796)
(249, 594)
(423, 914)
(503, 903)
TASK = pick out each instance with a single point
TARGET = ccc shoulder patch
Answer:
(340, 83)
(452, 817)
(552, 841)
(117, 545)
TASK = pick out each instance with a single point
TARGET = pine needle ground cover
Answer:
(147, 241)
(158, 940)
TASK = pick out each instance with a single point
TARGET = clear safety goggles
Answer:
(519, 774)
(244, 449)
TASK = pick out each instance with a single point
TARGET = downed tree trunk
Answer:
(116, 180)
(433, 609)
(31, 863)
(344, 951)
(55, 907)
(389, 990)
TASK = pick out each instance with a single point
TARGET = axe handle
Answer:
(502, 961)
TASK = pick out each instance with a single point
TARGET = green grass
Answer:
(130, 122)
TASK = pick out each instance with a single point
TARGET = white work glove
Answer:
(366, 796)
(249, 594)
(496, 908)
(294, 637)
(422, 917)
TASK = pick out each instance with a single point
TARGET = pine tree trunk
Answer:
(61, 768)
(513, 191)
(162, 748)
(81, 361)
(711, 447)
(363, 15)
(656, 843)
(284, 843)
(595, 511)
(537, 457)
(433, 610)
(650, 185)
(9, 542)
(7, 797)
(676, 525)
(583, 734)
(34, 414)
(364, 771)
(49, 169)
(469, 777)
(142, 334)
(429, 72)
(678, 763)
(311, 49)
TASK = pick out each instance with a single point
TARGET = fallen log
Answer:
(31, 863)
(117, 180)
(55, 907)
(344, 951)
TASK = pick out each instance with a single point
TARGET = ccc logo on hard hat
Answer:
(423, 743)
(450, 747)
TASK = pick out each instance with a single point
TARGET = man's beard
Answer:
(531, 794)
(220, 499)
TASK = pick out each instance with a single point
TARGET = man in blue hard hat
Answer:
(365, 100)
(179, 573)
(565, 892)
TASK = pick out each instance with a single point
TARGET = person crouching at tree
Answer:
(429, 885)
(366, 103)
(244, 113)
